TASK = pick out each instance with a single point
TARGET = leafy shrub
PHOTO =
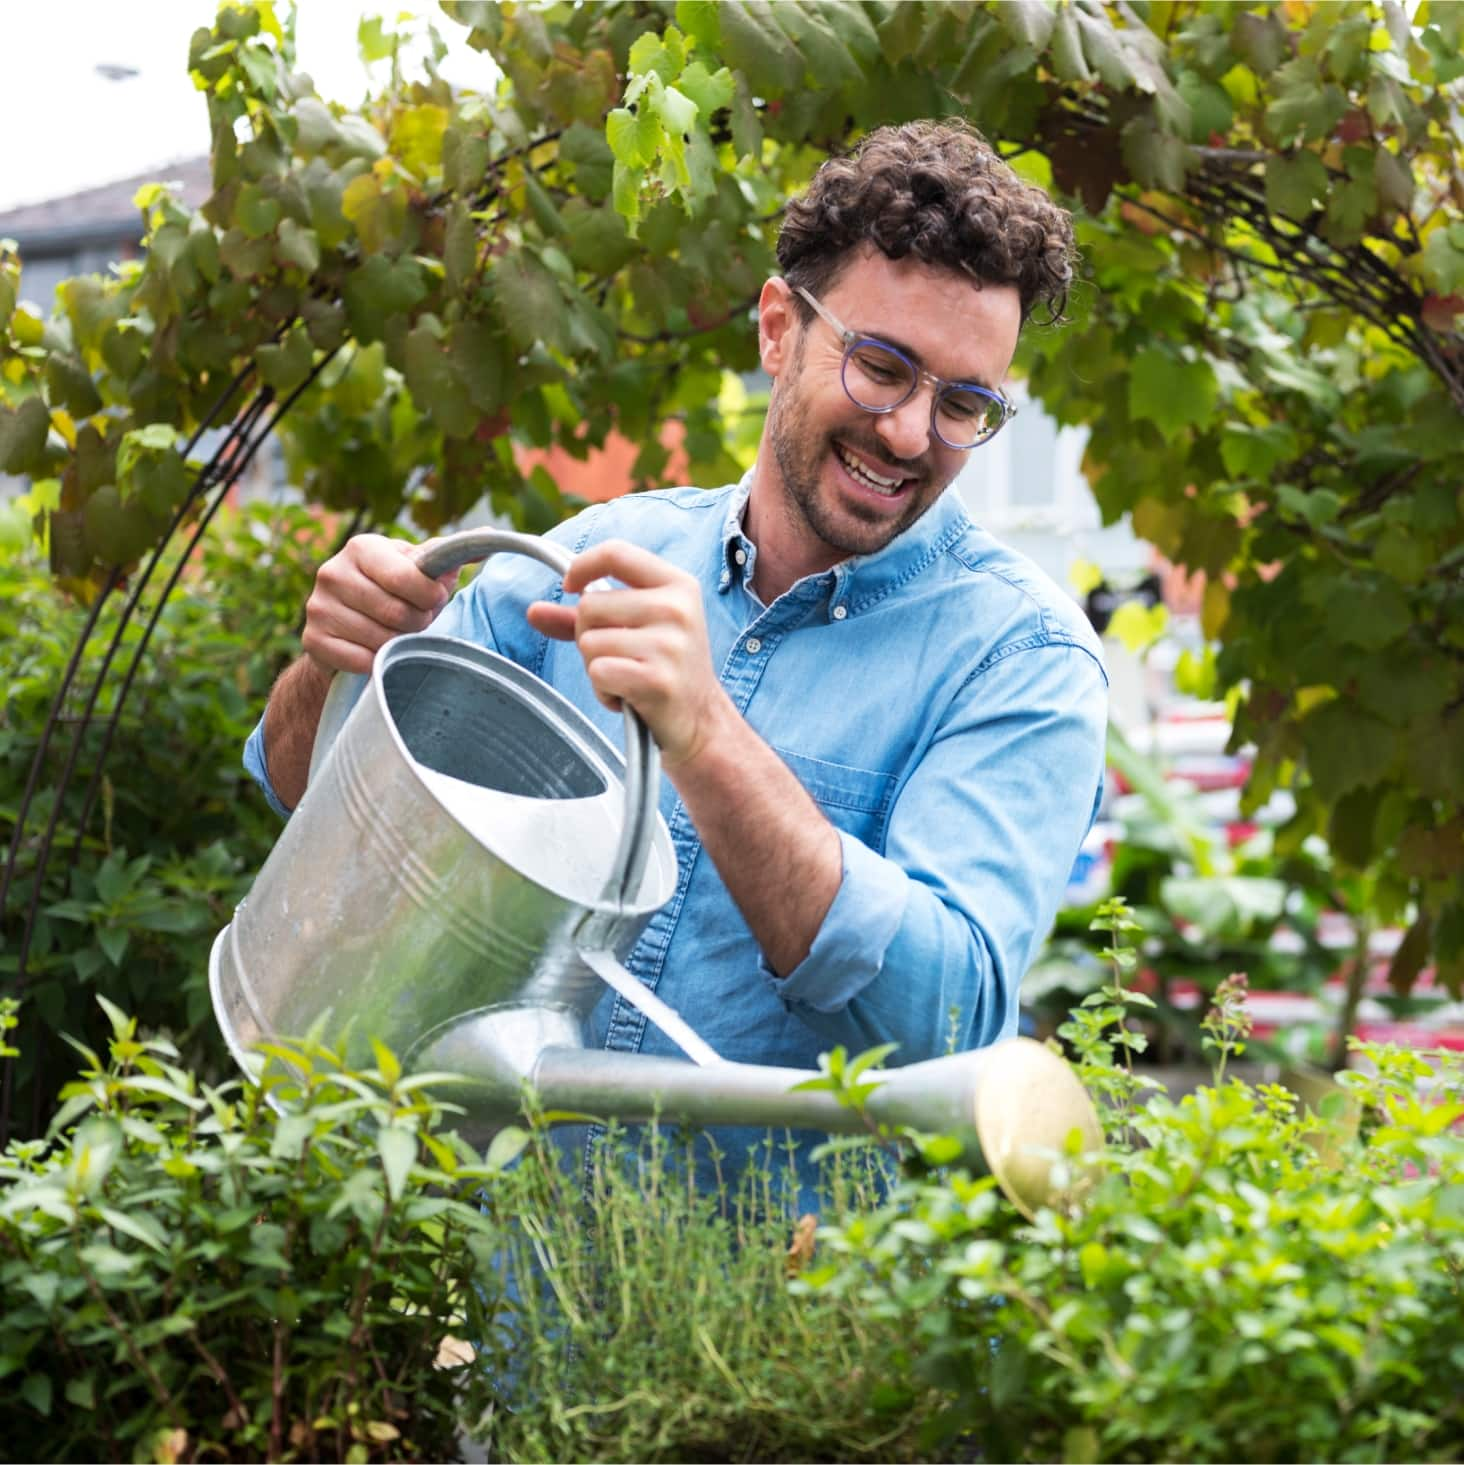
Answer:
(191, 1274)
(179, 830)
(1243, 1282)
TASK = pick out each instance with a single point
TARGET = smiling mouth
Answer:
(860, 471)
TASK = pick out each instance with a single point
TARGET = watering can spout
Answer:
(1017, 1110)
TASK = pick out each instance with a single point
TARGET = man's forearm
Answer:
(290, 720)
(779, 857)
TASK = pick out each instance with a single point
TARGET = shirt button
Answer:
(840, 611)
(753, 645)
(740, 556)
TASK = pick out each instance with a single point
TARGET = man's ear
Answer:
(777, 325)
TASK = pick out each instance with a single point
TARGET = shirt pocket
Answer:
(856, 800)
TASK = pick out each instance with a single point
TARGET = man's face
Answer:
(830, 452)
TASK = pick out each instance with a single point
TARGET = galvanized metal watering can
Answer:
(471, 861)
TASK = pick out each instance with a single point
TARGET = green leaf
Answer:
(505, 1147)
(599, 243)
(1296, 185)
(1068, 60)
(397, 1147)
(70, 385)
(23, 432)
(114, 533)
(1104, 50)
(298, 246)
(587, 152)
(542, 206)
(315, 126)
(746, 125)
(634, 137)
(81, 1391)
(373, 42)
(1028, 21)
(1171, 394)
(1346, 748)
(35, 1390)
(480, 359)
(710, 92)
(530, 300)
(459, 248)
(1368, 612)
(435, 387)
(1225, 907)
(95, 1149)
(378, 291)
(1443, 258)
(699, 19)
(140, 1227)
(1158, 159)
(1303, 110)
(1209, 104)
(285, 366)
(753, 46)
(114, 941)
(255, 212)
(1260, 41)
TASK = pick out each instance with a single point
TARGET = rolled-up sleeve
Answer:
(926, 941)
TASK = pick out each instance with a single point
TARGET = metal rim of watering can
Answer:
(642, 758)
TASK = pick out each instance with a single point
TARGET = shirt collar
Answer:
(862, 579)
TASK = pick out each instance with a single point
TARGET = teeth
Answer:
(867, 475)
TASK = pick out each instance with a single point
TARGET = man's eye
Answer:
(965, 406)
(880, 366)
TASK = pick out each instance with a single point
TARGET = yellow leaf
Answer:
(1214, 609)
(1138, 626)
(382, 1432)
(360, 193)
(1308, 697)
(1084, 576)
(62, 421)
(169, 1446)
(416, 138)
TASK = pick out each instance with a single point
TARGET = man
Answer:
(881, 731)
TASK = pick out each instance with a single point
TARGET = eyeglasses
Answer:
(879, 378)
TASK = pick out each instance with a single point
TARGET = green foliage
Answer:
(655, 1323)
(129, 910)
(190, 1274)
(1225, 1289)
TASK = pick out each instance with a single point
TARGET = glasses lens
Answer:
(964, 417)
(876, 377)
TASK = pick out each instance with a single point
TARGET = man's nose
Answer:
(905, 431)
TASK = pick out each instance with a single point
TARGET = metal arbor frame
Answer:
(250, 427)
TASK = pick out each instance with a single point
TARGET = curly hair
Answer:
(938, 191)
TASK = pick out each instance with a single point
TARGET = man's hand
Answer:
(645, 645)
(365, 595)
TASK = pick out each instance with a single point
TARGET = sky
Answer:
(65, 127)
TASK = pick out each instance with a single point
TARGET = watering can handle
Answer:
(642, 760)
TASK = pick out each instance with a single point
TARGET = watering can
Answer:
(470, 864)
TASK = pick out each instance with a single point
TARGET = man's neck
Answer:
(784, 553)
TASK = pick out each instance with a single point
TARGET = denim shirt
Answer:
(944, 704)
